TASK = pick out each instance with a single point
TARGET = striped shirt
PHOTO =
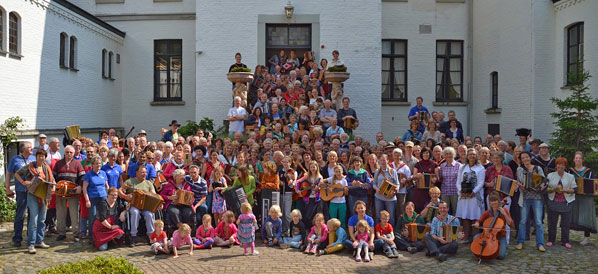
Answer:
(72, 171)
(448, 174)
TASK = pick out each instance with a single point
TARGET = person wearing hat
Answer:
(142, 133)
(524, 134)
(172, 134)
(42, 139)
(544, 160)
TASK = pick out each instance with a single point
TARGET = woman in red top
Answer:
(496, 208)
(425, 165)
(498, 157)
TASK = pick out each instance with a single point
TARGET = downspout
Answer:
(470, 65)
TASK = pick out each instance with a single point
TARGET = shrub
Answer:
(97, 265)
(337, 69)
(7, 207)
(240, 69)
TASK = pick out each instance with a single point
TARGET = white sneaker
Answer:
(255, 252)
(31, 249)
(585, 241)
(42, 245)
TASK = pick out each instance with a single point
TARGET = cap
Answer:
(174, 122)
(390, 145)
(409, 144)
(523, 132)
(536, 141)
(544, 145)
(142, 132)
(43, 136)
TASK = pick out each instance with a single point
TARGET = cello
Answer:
(487, 245)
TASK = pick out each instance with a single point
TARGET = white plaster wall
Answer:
(136, 7)
(353, 27)
(401, 20)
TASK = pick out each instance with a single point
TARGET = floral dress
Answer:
(246, 232)
(218, 203)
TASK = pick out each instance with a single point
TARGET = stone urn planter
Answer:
(336, 78)
(240, 79)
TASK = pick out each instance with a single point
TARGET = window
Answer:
(494, 89)
(104, 52)
(110, 64)
(62, 61)
(1, 29)
(286, 37)
(449, 70)
(13, 33)
(168, 70)
(394, 70)
(574, 49)
(73, 53)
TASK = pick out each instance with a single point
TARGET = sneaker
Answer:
(541, 248)
(358, 258)
(366, 259)
(314, 249)
(82, 237)
(395, 253)
(42, 245)
(307, 249)
(16, 244)
(284, 245)
(245, 253)
(585, 241)
(549, 244)
(255, 252)
(31, 249)
(321, 252)
(270, 242)
(441, 257)
(60, 237)
(568, 245)
(412, 250)
(388, 253)
(77, 239)
(132, 242)
(519, 246)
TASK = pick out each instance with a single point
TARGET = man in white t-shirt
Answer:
(236, 116)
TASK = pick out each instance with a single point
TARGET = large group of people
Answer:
(332, 193)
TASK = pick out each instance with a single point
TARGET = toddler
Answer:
(361, 240)
(297, 229)
(204, 237)
(158, 238)
(317, 235)
(180, 237)
(246, 233)
(272, 227)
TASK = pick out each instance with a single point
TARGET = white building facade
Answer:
(495, 63)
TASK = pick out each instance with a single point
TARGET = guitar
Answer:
(305, 189)
(330, 191)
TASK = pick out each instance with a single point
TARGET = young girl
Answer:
(362, 238)
(312, 200)
(297, 229)
(317, 235)
(272, 227)
(218, 183)
(180, 237)
(158, 238)
(204, 237)
(338, 205)
(226, 231)
(336, 237)
(385, 233)
(246, 232)
(270, 179)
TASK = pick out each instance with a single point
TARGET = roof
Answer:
(90, 17)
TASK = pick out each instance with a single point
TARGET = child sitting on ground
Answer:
(272, 227)
(158, 238)
(361, 239)
(385, 233)
(204, 237)
(336, 236)
(297, 229)
(226, 231)
(317, 235)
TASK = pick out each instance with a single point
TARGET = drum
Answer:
(66, 189)
(184, 198)
(387, 189)
(450, 232)
(587, 186)
(425, 181)
(505, 185)
(234, 197)
(417, 231)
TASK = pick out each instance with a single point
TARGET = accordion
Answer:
(66, 189)
(42, 187)
(234, 197)
(387, 188)
(587, 186)
(72, 132)
(350, 123)
(425, 182)
(184, 197)
(505, 185)
(533, 181)
(159, 181)
(146, 201)
(417, 231)
(467, 186)
(450, 232)
(269, 197)
(432, 212)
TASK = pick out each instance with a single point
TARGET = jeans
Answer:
(536, 206)
(435, 247)
(200, 211)
(148, 216)
(377, 244)
(83, 224)
(20, 216)
(36, 225)
(294, 242)
(93, 211)
(353, 199)
(388, 206)
(339, 211)
(502, 252)
(385, 245)
(287, 202)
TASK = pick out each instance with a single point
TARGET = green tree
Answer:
(576, 121)
(8, 134)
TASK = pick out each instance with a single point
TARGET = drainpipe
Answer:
(470, 65)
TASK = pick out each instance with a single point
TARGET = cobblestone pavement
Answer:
(557, 259)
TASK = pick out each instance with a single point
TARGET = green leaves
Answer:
(97, 265)
(240, 69)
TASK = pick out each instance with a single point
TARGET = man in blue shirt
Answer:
(24, 158)
(438, 246)
(142, 160)
(414, 112)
